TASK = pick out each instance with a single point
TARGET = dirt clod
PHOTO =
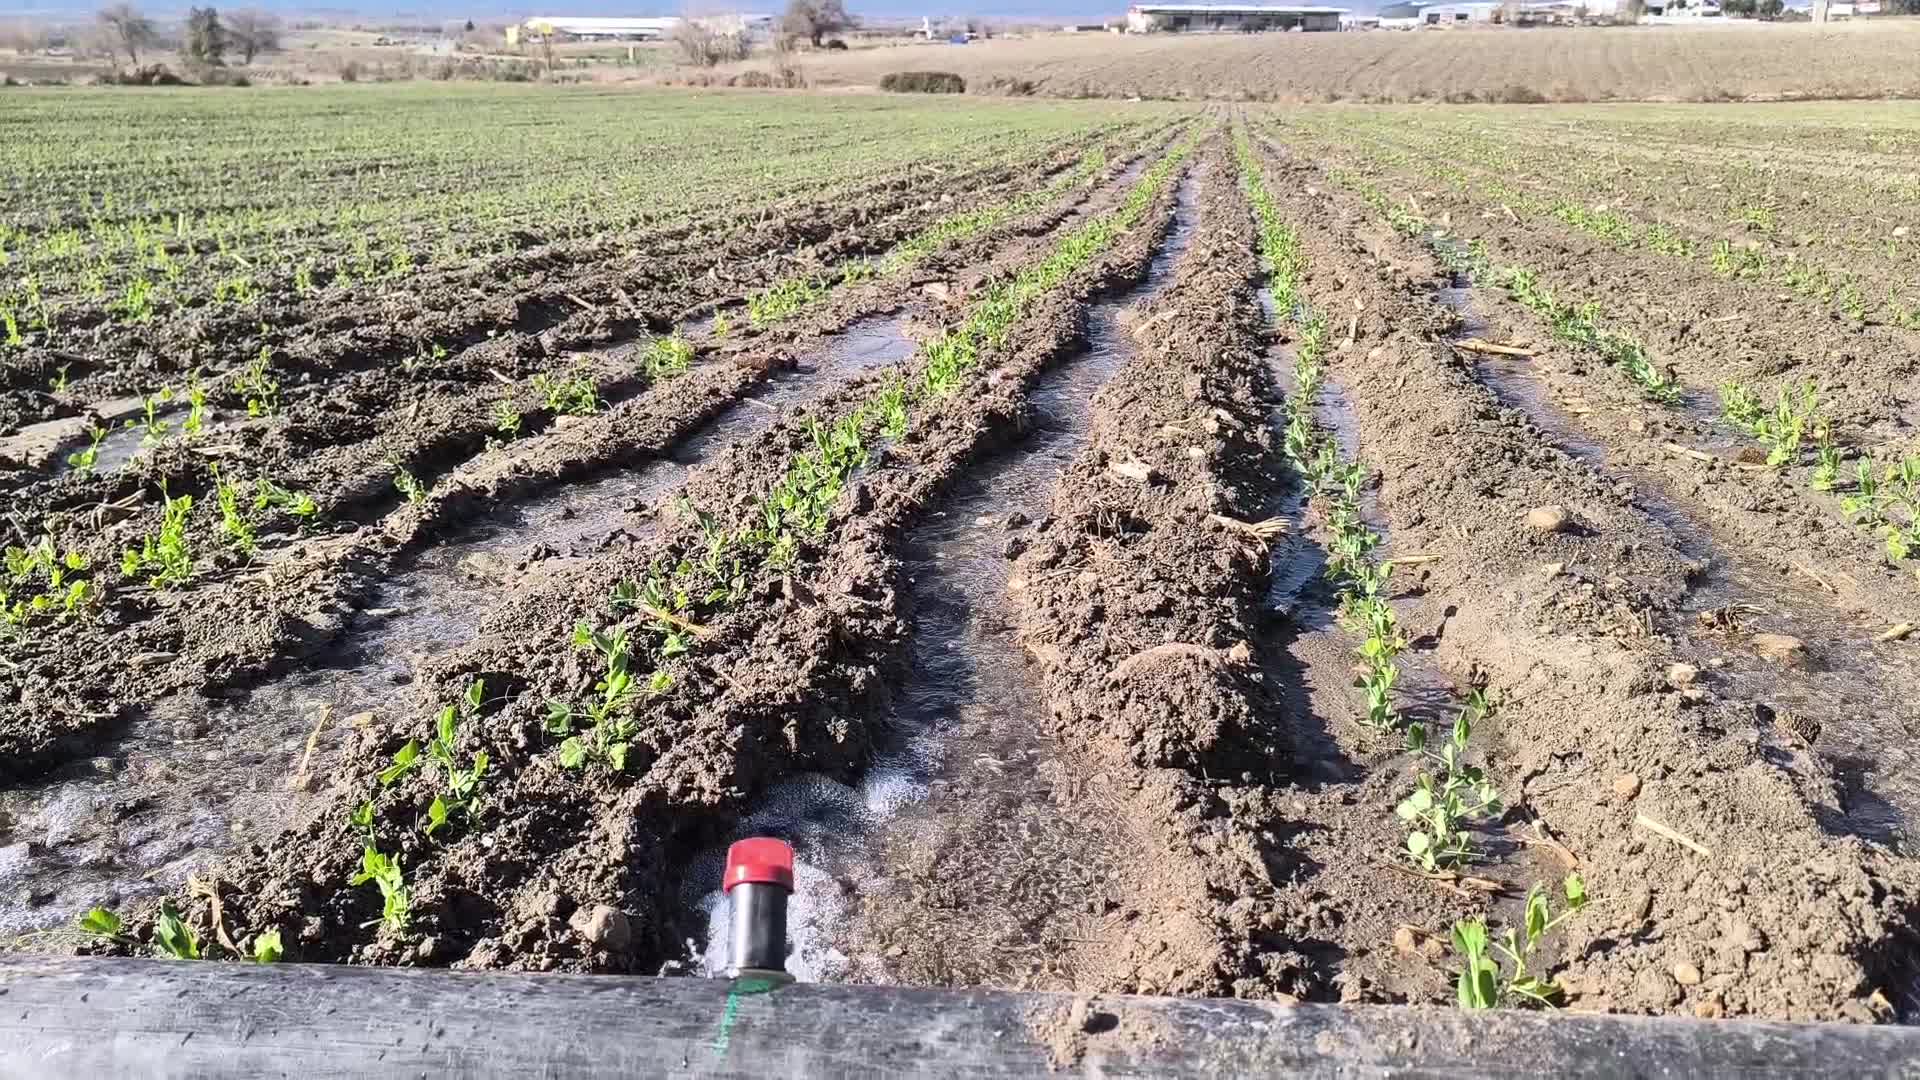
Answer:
(607, 928)
(1626, 786)
(1549, 519)
(1783, 649)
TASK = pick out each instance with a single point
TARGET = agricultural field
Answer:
(1304, 555)
(1734, 61)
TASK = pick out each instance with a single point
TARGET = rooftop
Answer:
(1241, 9)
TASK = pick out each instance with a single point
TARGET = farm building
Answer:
(1462, 14)
(1229, 18)
(587, 28)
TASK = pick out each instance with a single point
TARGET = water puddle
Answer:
(1856, 692)
(196, 777)
(968, 773)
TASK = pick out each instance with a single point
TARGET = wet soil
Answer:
(1578, 628)
(788, 683)
(133, 823)
(1849, 688)
(346, 440)
(964, 774)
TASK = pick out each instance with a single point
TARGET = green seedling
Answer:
(1740, 406)
(782, 299)
(59, 384)
(1826, 469)
(1784, 427)
(423, 356)
(258, 385)
(892, 407)
(105, 925)
(150, 422)
(407, 484)
(268, 495)
(41, 581)
(1442, 805)
(233, 520)
(1580, 325)
(405, 760)
(196, 420)
(462, 782)
(83, 461)
(608, 716)
(1865, 505)
(396, 903)
(1484, 981)
(575, 394)
(164, 558)
(172, 936)
(506, 419)
(855, 271)
(267, 948)
(668, 356)
(722, 327)
(362, 819)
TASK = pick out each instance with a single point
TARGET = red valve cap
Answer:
(759, 861)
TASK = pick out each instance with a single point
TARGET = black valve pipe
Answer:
(758, 883)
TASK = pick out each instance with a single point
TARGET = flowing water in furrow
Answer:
(1859, 692)
(967, 771)
(1316, 674)
(195, 777)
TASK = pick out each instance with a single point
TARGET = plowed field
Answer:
(1124, 548)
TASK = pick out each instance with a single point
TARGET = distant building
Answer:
(1462, 14)
(1229, 18)
(587, 28)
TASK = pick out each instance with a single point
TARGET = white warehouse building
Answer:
(588, 28)
(1229, 18)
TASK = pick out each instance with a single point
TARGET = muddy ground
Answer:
(1059, 698)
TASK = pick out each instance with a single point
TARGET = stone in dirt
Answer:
(1549, 519)
(1626, 785)
(1681, 676)
(1782, 649)
(607, 928)
(1686, 974)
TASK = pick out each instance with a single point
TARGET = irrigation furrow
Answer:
(310, 590)
(778, 686)
(1848, 687)
(188, 780)
(1594, 738)
(963, 768)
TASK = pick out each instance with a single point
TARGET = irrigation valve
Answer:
(759, 880)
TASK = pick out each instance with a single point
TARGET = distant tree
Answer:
(704, 43)
(469, 28)
(1737, 8)
(127, 30)
(815, 19)
(1769, 9)
(253, 32)
(23, 36)
(206, 38)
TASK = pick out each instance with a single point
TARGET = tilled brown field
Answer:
(1089, 599)
(1715, 61)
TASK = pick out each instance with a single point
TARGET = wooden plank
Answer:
(85, 1016)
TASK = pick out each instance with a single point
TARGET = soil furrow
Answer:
(1780, 919)
(784, 686)
(225, 632)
